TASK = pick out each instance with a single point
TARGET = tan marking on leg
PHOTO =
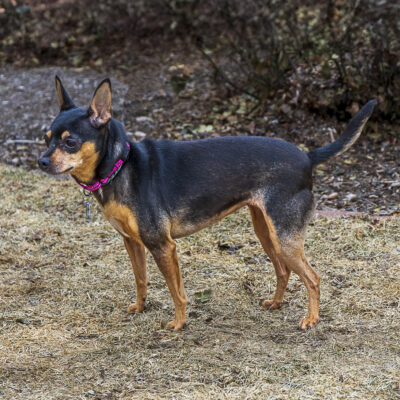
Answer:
(290, 252)
(282, 273)
(138, 258)
(295, 259)
(124, 221)
(167, 261)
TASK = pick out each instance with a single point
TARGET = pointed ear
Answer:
(100, 107)
(63, 97)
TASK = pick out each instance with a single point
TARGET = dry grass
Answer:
(65, 284)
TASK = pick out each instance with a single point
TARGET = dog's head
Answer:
(77, 136)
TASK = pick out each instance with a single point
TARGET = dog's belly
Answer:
(184, 225)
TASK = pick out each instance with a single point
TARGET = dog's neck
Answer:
(114, 148)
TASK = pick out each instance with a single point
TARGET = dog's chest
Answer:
(122, 219)
(118, 227)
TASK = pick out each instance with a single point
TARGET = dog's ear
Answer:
(63, 97)
(100, 107)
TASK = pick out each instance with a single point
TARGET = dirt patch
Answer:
(65, 284)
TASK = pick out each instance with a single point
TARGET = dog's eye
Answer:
(46, 140)
(70, 143)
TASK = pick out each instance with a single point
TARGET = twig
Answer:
(24, 141)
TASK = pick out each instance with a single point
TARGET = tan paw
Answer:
(270, 304)
(135, 308)
(307, 323)
(176, 325)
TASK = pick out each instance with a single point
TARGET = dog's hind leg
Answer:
(271, 247)
(295, 259)
(287, 219)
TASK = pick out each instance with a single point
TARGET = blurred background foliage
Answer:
(329, 55)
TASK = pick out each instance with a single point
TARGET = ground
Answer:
(66, 282)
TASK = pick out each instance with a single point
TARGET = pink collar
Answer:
(110, 176)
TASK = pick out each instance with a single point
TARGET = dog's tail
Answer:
(350, 135)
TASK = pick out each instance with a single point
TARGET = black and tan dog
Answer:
(155, 191)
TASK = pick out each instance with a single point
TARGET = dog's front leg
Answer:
(167, 261)
(138, 258)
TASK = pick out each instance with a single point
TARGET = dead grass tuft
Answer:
(65, 284)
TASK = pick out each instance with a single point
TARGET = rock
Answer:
(350, 197)
(286, 109)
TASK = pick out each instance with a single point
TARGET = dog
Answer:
(153, 192)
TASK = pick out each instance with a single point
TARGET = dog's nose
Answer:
(44, 163)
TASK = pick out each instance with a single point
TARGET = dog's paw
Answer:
(307, 323)
(136, 308)
(270, 304)
(176, 325)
